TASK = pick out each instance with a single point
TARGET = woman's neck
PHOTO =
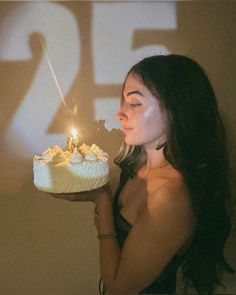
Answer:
(155, 158)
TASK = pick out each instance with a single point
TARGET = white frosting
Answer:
(76, 157)
(62, 171)
(90, 156)
(54, 155)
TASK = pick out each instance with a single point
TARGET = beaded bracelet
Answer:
(109, 236)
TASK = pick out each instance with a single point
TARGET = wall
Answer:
(49, 246)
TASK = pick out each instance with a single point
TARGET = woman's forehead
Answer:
(134, 85)
(133, 80)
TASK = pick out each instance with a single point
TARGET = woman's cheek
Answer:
(149, 118)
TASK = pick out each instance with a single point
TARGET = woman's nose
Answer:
(121, 115)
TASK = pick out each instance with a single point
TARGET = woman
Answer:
(170, 207)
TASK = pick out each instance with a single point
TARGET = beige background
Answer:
(49, 246)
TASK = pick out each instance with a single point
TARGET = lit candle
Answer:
(72, 141)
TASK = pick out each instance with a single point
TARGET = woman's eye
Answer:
(134, 105)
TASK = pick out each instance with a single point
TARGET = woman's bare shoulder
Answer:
(171, 202)
(172, 192)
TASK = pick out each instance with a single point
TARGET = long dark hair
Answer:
(196, 146)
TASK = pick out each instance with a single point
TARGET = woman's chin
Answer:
(131, 142)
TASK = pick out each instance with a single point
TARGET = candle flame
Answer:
(74, 132)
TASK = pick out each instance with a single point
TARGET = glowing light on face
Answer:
(141, 116)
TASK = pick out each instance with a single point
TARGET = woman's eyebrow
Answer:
(134, 92)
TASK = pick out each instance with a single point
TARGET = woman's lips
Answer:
(127, 129)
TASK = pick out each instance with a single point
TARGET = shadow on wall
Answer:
(16, 78)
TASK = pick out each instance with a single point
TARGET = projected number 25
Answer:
(113, 28)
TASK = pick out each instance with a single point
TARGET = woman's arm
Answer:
(165, 225)
(109, 249)
(161, 230)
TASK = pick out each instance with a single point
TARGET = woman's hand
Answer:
(86, 196)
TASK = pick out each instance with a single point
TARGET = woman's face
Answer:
(140, 114)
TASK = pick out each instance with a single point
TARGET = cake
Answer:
(67, 171)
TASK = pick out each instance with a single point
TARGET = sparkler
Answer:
(52, 70)
(72, 141)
